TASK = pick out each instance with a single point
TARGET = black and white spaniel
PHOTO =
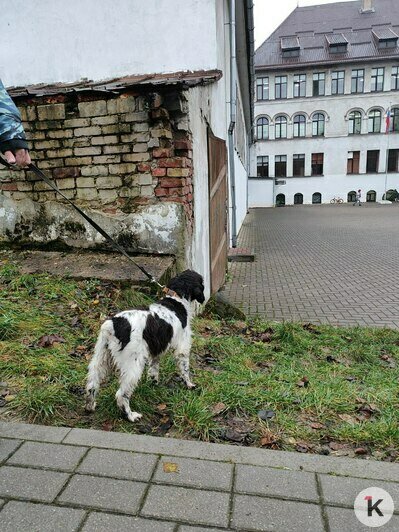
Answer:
(133, 338)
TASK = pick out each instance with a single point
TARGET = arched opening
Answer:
(391, 195)
(371, 196)
(316, 198)
(300, 126)
(262, 129)
(280, 131)
(280, 200)
(298, 199)
(351, 196)
(355, 123)
(318, 122)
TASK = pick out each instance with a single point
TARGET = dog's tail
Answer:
(100, 364)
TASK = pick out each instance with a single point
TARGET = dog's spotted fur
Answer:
(134, 338)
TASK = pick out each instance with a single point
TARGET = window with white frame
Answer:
(262, 128)
(395, 78)
(280, 128)
(262, 166)
(319, 80)
(300, 126)
(377, 79)
(280, 87)
(280, 166)
(374, 120)
(357, 80)
(355, 123)
(318, 123)
(298, 165)
(338, 82)
(262, 88)
(299, 85)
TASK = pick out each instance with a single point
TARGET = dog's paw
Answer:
(190, 385)
(134, 416)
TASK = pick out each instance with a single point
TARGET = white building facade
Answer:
(322, 99)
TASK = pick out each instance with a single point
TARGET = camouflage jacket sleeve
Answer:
(12, 135)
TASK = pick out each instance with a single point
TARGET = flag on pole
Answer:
(388, 121)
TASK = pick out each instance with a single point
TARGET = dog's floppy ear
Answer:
(198, 294)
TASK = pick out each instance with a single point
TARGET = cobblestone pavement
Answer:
(61, 479)
(333, 264)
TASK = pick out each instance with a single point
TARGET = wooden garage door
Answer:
(217, 160)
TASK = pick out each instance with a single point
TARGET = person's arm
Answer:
(12, 135)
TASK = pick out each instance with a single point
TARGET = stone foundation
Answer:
(126, 159)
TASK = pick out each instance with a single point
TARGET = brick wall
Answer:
(111, 153)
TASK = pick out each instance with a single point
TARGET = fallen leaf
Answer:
(218, 408)
(303, 383)
(49, 340)
(107, 426)
(96, 302)
(161, 407)
(348, 418)
(269, 439)
(81, 348)
(266, 337)
(266, 414)
(317, 426)
(360, 450)
(336, 446)
(232, 435)
(302, 448)
(170, 467)
(9, 398)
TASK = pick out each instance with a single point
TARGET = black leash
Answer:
(119, 248)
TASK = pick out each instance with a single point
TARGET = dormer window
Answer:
(385, 37)
(337, 43)
(290, 46)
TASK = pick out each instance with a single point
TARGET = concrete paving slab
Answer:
(119, 464)
(343, 491)
(103, 522)
(234, 454)
(104, 493)
(17, 516)
(31, 484)
(261, 514)
(33, 432)
(194, 473)
(7, 447)
(48, 455)
(186, 504)
(280, 483)
(341, 519)
(88, 265)
(185, 528)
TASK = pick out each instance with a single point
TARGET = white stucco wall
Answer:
(335, 144)
(44, 41)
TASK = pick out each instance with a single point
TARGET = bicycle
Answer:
(337, 200)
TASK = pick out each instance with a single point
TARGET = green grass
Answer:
(350, 395)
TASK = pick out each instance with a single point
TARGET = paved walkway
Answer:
(61, 479)
(333, 264)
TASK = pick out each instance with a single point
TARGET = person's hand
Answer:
(21, 157)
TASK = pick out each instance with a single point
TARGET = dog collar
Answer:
(168, 292)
